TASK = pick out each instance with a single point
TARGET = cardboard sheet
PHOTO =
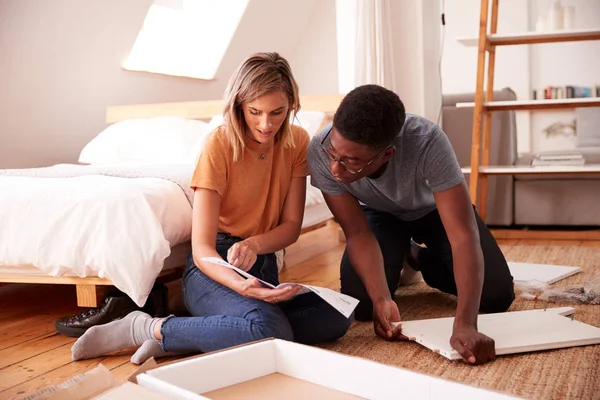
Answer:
(277, 386)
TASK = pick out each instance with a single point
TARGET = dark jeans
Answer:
(435, 262)
(223, 318)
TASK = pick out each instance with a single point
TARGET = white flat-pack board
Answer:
(513, 332)
(544, 273)
(278, 369)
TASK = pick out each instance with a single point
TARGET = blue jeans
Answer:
(223, 318)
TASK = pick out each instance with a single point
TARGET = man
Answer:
(392, 180)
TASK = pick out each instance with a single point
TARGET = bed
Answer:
(122, 216)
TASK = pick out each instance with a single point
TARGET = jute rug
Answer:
(571, 373)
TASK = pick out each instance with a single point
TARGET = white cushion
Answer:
(311, 121)
(161, 140)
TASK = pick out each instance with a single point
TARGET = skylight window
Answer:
(186, 37)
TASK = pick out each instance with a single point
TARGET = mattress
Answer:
(315, 209)
(176, 259)
(316, 214)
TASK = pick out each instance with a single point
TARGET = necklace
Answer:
(262, 155)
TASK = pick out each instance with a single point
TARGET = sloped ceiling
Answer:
(268, 25)
(60, 67)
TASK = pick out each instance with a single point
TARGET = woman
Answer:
(250, 188)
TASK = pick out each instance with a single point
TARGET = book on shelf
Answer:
(558, 159)
(565, 92)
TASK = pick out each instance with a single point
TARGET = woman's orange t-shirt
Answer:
(253, 189)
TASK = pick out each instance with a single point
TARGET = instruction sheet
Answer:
(343, 303)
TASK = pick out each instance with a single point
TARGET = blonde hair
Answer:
(258, 75)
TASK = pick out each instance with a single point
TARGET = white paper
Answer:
(343, 303)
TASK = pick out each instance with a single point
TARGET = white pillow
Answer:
(160, 140)
(213, 124)
(311, 121)
(215, 121)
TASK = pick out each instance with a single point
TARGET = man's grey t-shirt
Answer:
(424, 163)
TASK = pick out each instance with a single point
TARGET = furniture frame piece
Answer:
(91, 290)
(513, 332)
(483, 108)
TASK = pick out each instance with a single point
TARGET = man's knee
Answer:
(498, 301)
(364, 310)
(338, 326)
(351, 287)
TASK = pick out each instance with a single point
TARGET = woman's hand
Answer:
(242, 255)
(252, 288)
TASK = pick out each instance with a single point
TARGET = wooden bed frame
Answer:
(91, 291)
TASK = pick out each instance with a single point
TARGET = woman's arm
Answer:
(205, 224)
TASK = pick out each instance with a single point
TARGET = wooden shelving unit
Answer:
(483, 107)
(524, 105)
(572, 35)
(536, 170)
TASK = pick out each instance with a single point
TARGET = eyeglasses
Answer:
(342, 163)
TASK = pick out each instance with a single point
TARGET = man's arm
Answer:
(459, 221)
(456, 212)
(367, 260)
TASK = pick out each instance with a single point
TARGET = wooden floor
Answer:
(33, 355)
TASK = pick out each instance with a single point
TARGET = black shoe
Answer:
(115, 306)
(157, 302)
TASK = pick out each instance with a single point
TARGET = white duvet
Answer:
(112, 222)
(117, 222)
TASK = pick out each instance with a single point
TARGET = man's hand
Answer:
(474, 347)
(253, 289)
(242, 255)
(384, 313)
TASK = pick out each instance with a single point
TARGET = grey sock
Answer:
(150, 348)
(133, 330)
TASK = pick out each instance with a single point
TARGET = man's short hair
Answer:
(371, 115)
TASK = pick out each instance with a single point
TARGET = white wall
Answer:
(408, 54)
(61, 66)
(561, 64)
(315, 61)
(459, 63)
(415, 47)
(345, 22)
(264, 28)
(431, 29)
